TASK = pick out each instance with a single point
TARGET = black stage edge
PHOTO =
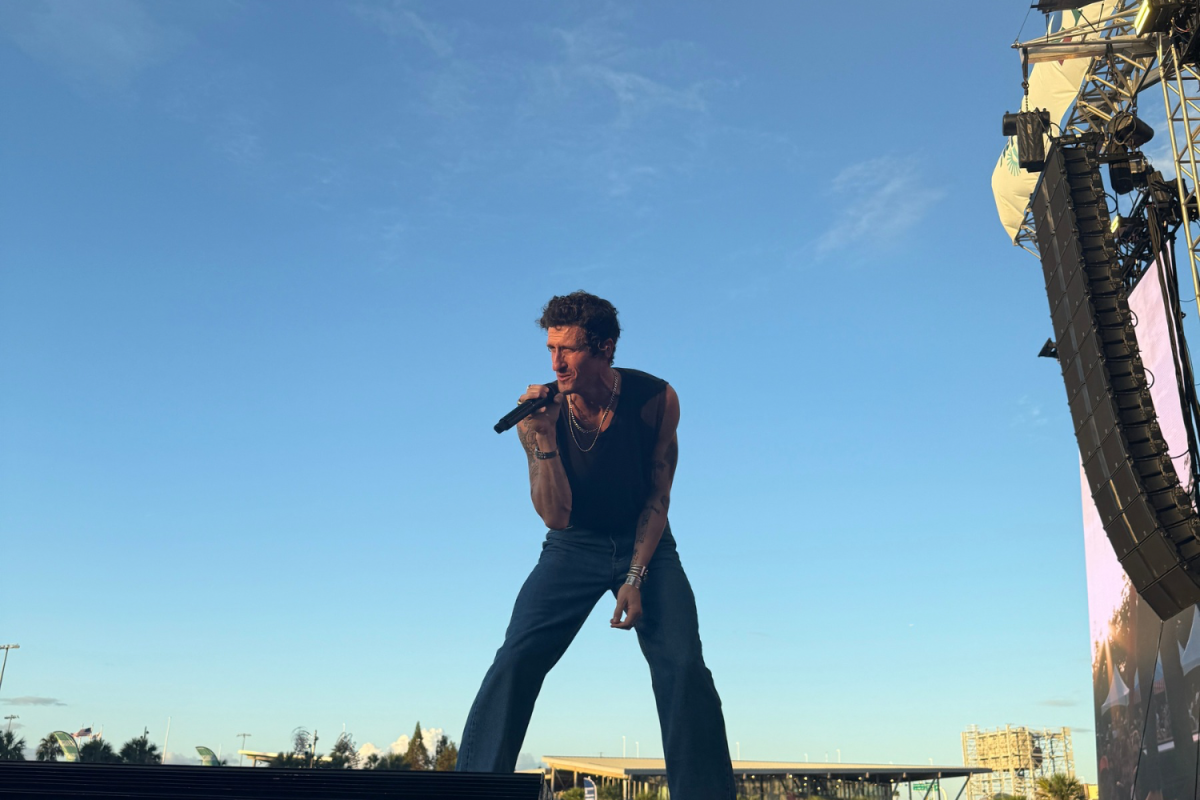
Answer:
(39, 780)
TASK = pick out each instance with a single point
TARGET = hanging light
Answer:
(1154, 16)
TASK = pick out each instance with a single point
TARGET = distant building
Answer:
(1017, 757)
(765, 780)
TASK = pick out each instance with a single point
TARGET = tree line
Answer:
(138, 750)
(303, 755)
(344, 754)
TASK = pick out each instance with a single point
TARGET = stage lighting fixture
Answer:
(1147, 515)
(1154, 16)
(1030, 128)
(1129, 131)
(1120, 178)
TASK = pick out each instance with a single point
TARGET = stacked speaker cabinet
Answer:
(1149, 519)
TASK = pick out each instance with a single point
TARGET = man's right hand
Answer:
(541, 423)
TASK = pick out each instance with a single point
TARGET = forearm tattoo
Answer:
(664, 474)
(528, 442)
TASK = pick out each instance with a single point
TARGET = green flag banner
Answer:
(207, 757)
(65, 741)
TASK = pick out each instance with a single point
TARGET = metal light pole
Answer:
(6, 648)
(10, 718)
(241, 757)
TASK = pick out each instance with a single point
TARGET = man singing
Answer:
(602, 459)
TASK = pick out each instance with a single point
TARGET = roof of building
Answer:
(606, 767)
(257, 755)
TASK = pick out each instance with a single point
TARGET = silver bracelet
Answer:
(543, 456)
(636, 576)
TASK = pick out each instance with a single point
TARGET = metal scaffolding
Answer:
(1181, 93)
(1121, 68)
(1017, 757)
(1123, 65)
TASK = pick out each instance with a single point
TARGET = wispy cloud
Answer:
(527, 761)
(1029, 414)
(105, 43)
(395, 19)
(177, 758)
(237, 137)
(1056, 702)
(879, 200)
(28, 700)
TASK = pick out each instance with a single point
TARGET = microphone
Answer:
(525, 409)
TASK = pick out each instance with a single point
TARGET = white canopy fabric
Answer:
(1053, 85)
(1118, 693)
(1189, 656)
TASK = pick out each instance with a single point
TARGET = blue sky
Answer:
(268, 276)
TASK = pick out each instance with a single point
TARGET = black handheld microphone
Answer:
(525, 409)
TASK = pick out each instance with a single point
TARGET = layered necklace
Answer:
(575, 426)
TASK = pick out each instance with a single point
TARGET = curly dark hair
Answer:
(595, 315)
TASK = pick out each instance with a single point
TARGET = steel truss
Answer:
(1122, 66)
(1181, 93)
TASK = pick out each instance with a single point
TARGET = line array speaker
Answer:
(1148, 517)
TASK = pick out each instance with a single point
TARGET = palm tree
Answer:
(139, 750)
(11, 748)
(48, 749)
(1059, 787)
(98, 751)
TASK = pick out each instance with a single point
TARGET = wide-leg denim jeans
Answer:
(576, 568)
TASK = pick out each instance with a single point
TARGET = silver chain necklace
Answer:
(603, 416)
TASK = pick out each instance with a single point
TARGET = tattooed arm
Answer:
(548, 486)
(653, 519)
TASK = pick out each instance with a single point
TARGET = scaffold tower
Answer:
(1017, 757)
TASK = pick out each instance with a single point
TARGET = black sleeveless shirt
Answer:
(611, 483)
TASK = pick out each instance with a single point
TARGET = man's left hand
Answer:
(629, 603)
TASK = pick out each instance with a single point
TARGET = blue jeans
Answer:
(576, 568)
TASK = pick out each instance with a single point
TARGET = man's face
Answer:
(572, 359)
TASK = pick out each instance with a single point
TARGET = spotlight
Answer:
(1130, 131)
(1120, 178)
(1154, 16)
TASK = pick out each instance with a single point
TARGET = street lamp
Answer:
(6, 648)
(10, 718)
(242, 757)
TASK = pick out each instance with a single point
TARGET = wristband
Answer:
(636, 576)
(543, 456)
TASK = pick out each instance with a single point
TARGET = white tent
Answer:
(1118, 692)
(1189, 656)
